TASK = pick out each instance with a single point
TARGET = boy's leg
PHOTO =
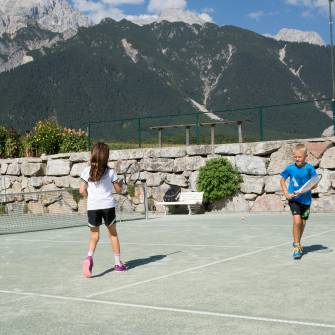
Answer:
(92, 244)
(304, 215)
(297, 232)
(303, 226)
(297, 228)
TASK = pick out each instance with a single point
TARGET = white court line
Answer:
(224, 260)
(174, 310)
(141, 244)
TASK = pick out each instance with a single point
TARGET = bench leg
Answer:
(189, 209)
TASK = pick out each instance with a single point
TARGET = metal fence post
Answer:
(146, 204)
(139, 132)
(197, 128)
(333, 109)
(261, 125)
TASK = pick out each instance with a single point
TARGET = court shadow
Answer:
(137, 262)
(316, 248)
(103, 273)
(143, 261)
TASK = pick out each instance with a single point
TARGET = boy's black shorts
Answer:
(299, 209)
(95, 217)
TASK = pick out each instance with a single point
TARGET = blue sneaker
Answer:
(297, 253)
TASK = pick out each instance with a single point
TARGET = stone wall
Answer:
(259, 163)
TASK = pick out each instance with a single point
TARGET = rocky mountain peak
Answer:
(53, 15)
(295, 35)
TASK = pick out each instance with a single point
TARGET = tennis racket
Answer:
(131, 174)
(309, 184)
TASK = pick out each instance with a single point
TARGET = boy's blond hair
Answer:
(300, 147)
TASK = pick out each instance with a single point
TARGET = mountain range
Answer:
(116, 70)
(54, 15)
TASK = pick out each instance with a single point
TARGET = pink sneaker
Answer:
(88, 266)
(120, 268)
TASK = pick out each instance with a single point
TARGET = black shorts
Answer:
(300, 209)
(95, 217)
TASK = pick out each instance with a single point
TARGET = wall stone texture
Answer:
(260, 164)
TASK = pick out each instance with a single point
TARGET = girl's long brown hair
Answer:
(98, 161)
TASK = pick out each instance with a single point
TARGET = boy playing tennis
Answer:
(299, 173)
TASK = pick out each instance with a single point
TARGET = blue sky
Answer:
(262, 16)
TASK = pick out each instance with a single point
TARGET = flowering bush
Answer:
(73, 140)
(47, 137)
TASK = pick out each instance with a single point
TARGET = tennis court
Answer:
(203, 274)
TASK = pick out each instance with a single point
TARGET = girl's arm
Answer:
(284, 189)
(83, 189)
(117, 186)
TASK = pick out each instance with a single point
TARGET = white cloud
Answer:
(157, 6)
(256, 15)
(307, 13)
(87, 6)
(122, 2)
(158, 10)
(206, 17)
(311, 4)
(99, 10)
(208, 10)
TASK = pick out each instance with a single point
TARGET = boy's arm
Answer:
(314, 173)
(83, 189)
(284, 189)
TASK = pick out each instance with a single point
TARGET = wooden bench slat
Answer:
(185, 198)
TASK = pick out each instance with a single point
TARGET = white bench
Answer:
(186, 198)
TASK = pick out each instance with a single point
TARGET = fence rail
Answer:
(301, 119)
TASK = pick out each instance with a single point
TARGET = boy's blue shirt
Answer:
(298, 177)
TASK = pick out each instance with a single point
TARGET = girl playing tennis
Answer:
(97, 181)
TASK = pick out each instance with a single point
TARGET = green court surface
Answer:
(201, 274)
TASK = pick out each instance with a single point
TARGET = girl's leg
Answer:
(94, 239)
(92, 244)
(112, 234)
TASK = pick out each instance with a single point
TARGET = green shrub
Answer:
(131, 190)
(2, 209)
(218, 180)
(73, 141)
(151, 203)
(3, 137)
(10, 145)
(75, 194)
(28, 146)
(46, 137)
